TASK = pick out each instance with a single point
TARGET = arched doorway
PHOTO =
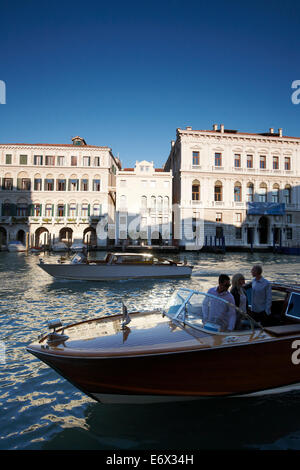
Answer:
(66, 235)
(3, 236)
(90, 236)
(41, 237)
(156, 238)
(263, 229)
(21, 237)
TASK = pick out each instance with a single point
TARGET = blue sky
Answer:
(128, 74)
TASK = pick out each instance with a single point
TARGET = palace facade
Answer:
(240, 186)
(216, 186)
(56, 192)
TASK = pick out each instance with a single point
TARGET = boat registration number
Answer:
(296, 354)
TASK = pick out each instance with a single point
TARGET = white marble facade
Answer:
(144, 205)
(78, 192)
(217, 172)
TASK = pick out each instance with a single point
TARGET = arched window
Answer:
(166, 203)
(262, 193)
(250, 192)
(238, 192)
(37, 209)
(144, 202)
(22, 208)
(72, 209)
(196, 190)
(218, 191)
(159, 203)
(287, 194)
(85, 210)
(275, 193)
(61, 209)
(153, 202)
(96, 209)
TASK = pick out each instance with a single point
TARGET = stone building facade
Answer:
(56, 192)
(144, 205)
(239, 187)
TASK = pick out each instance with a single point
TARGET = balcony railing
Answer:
(91, 219)
(14, 219)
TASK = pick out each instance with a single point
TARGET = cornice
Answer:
(54, 147)
(235, 138)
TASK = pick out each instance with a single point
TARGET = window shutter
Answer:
(13, 209)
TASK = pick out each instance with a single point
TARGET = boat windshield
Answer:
(202, 310)
(78, 258)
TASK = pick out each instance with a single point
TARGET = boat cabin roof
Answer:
(129, 257)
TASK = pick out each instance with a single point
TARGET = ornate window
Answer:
(196, 158)
(250, 192)
(275, 193)
(237, 192)
(218, 191)
(262, 194)
(195, 190)
(218, 159)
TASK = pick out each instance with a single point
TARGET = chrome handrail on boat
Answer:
(183, 308)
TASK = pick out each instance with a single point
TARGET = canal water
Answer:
(41, 410)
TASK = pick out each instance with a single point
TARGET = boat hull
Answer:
(14, 249)
(235, 370)
(90, 272)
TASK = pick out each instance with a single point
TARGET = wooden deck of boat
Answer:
(147, 333)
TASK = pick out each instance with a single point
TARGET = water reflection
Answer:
(39, 409)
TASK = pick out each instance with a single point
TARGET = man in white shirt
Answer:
(261, 296)
(218, 312)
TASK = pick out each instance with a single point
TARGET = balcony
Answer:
(195, 203)
(5, 219)
(91, 219)
(19, 219)
(238, 204)
(217, 203)
(217, 168)
(238, 169)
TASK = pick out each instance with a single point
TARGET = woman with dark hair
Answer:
(240, 297)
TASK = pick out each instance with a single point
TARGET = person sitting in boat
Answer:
(221, 314)
(261, 296)
(240, 297)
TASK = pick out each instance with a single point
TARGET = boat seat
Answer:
(283, 329)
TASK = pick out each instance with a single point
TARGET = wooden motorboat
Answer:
(77, 247)
(59, 246)
(173, 354)
(116, 266)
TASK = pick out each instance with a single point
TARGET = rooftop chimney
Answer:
(280, 132)
(222, 128)
(172, 143)
(188, 128)
(215, 127)
(271, 130)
